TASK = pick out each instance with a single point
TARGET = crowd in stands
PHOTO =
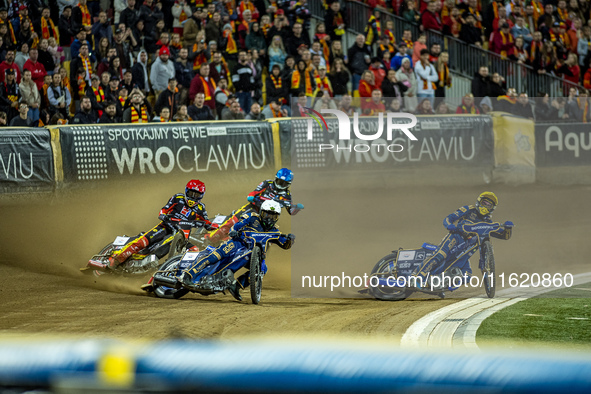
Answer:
(139, 61)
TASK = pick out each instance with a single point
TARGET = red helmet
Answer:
(194, 191)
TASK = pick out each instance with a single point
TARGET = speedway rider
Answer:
(269, 190)
(263, 222)
(180, 207)
(446, 253)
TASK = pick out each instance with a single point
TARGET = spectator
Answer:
(392, 89)
(115, 68)
(302, 81)
(544, 110)
(81, 18)
(139, 110)
(502, 41)
(359, 59)
(30, 95)
(86, 115)
(9, 64)
(102, 28)
(430, 19)
(151, 13)
(376, 105)
(467, 106)
(335, 24)
(346, 105)
(506, 103)
(22, 119)
(584, 44)
(10, 95)
(569, 69)
(3, 120)
(274, 110)
(169, 98)
(486, 105)
(523, 107)
(255, 113)
(497, 86)
(181, 114)
(470, 33)
(255, 40)
(277, 53)
(36, 68)
(213, 29)
(521, 30)
(123, 46)
(323, 82)
(96, 93)
(339, 78)
(58, 96)
(110, 114)
(162, 70)
(444, 75)
(45, 57)
(130, 15)
(276, 86)
(579, 109)
(66, 30)
(243, 80)
(323, 101)
(192, 26)
(386, 47)
(203, 83)
(366, 87)
(535, 51)
(112, 92)
(378, 70)
(416, 48)
(297, 39)
(22, 56)
(518, 53)
(336, 52)
(373, 29)
(83, 62)
(401, 54)
(218, 68)
(181, 11)
(184, 74)
(198, 111)
(407, 76)
(442, 108)
(452, 23)
(481, 83)
(411, 14)
(221, 96)
(163, 117)
(424, 107)
(426, 77)
(235, 112)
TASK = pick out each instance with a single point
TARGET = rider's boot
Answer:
(186, 280)
(234, 289)
(134, 247)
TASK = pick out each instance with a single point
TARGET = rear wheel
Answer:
(256, 275)
(385, 269)
(171, 268)
(489, 269)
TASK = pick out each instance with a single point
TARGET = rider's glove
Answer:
(452, 228)
(250, 198)
(233, 234)
(508, 224)
(300, 206)
(209, 226)
(163, 218)
(291, 237)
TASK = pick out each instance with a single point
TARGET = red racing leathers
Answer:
(175, 210)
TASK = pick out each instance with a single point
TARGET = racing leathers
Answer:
(228, 249)
(266, 190)
(447, 252)
(175, 210)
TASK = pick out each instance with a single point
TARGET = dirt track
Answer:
(43, 243)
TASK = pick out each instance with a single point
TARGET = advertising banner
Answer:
(440, 141)
(567, 144)
(111, 151)
(26, 160)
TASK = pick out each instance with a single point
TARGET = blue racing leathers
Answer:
(451, 246)
(227, 251)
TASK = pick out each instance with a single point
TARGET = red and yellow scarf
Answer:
(296, 79)
(466, 110)
(444, 76)
(206, 90)
(277, 83)
(324, 84)
(535, 46)
(231, 47)
(585, 110)
(183, 15)
(135, 116)
(246, 5)
(337, 21)
(11, 30)
(506, 38)
(85, 15)
(45, 29)
(199, 59)
(409, 43)
(99, 94)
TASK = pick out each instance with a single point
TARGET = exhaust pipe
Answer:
(166, 281)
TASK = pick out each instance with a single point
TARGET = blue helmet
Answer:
(283, 178)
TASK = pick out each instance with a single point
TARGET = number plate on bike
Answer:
(120, 241)
(190, 256)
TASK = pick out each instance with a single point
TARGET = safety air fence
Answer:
(498, 148)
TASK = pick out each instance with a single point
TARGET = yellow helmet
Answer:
(486, 203)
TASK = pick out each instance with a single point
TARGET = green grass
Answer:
(546, 319)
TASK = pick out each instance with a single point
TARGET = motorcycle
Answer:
(166, 284)
(393, 277)
(185, 235)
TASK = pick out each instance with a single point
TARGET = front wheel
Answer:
(171, 266)
(101, 257)
(489, 269)
(256, 275)
(384, 269)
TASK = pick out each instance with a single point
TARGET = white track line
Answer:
(456, 325)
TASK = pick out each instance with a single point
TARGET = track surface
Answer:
(45, 241)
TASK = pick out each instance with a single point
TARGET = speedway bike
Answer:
(393, 277)
(251, 255)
